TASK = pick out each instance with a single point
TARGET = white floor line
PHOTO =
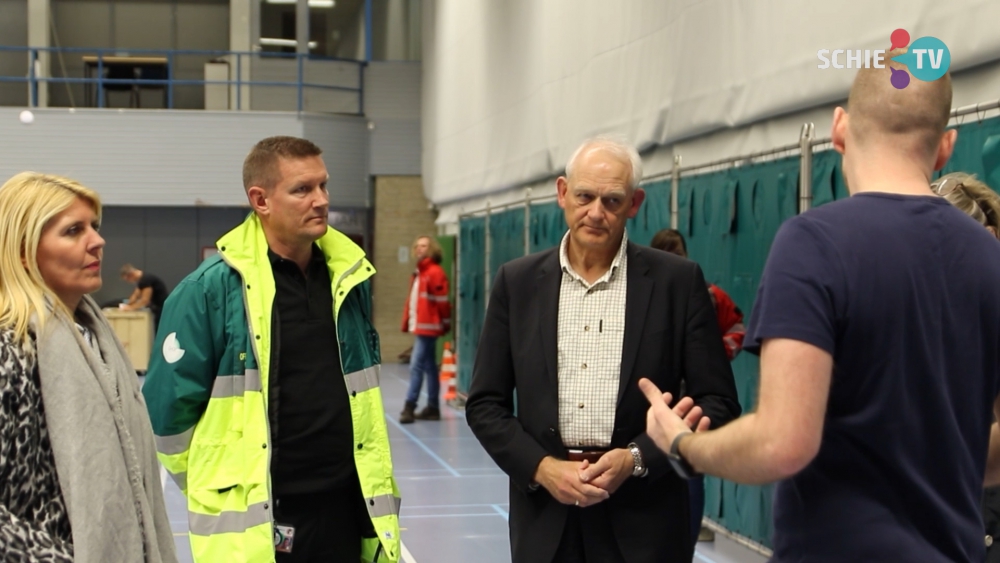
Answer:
(501, 512)
(407, 557)
(163, 478)
(422, 446)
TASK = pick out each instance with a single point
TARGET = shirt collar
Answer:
(567, 268)
(317, 256)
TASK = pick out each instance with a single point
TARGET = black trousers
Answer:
(588, 537)
(328, 525)
(991, 517)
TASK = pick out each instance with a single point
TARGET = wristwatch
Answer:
(681, 467)
(639, 469)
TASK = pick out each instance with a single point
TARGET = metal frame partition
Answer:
(806, 146)
(674, 174)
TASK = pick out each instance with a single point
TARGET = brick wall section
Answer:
(401, 214)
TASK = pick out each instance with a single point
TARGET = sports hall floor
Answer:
(454, 498)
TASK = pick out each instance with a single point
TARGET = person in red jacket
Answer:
(731, 326)
(730, 320)
(426, 315)
(726, 312)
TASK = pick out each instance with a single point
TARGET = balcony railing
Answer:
(271, 81)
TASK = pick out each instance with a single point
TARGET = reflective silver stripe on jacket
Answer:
(383, 505)
(176, 444)
(227, 522)
(363, 380)
(180, 479)
(236, 385)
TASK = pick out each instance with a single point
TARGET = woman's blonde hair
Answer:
(971, 196)
(433, 248)
(28, 202)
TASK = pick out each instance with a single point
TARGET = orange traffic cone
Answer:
(449, 372)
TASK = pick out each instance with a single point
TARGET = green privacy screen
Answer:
(977, 151)
(729, 219)
(506, 238)
(548, 225)
(471, 298)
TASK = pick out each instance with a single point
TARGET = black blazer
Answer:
(671, 333)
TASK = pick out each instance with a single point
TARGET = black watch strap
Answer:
(682, 468)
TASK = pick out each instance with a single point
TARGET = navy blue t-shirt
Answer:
(904, 293)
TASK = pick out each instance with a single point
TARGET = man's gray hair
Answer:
(617, 147)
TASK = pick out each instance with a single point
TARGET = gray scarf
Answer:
(102, 442)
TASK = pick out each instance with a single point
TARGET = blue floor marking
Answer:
(501, 512)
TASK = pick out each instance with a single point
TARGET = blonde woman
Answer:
(971, 196)
(78, 472)
(981, 203)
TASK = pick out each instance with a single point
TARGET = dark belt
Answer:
(590, 455)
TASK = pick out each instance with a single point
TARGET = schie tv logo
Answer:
(928, 58)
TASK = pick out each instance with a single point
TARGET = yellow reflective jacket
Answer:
(207, 394)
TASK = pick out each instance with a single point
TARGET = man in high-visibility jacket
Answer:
(263, 387)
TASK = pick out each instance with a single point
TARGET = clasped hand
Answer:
(585, 484)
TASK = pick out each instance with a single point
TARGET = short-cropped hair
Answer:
(260, 168)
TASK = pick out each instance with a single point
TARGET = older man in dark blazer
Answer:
(572, 330)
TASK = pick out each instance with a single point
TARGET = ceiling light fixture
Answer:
(272, 42)
(312, 3)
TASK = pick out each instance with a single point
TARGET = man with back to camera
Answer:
(264, 390)
(877, 321)
(570, 329)
(150, 291)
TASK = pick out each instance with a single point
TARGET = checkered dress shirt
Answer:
(591, 335)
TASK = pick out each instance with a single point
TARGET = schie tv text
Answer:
(857, 57)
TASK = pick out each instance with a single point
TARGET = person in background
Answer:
(150, 292)
(426, 315)
(978, 201)
(78, 474)
(730, 316)
(730, 320)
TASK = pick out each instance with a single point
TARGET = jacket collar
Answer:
(245, 248)
(425, 263)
